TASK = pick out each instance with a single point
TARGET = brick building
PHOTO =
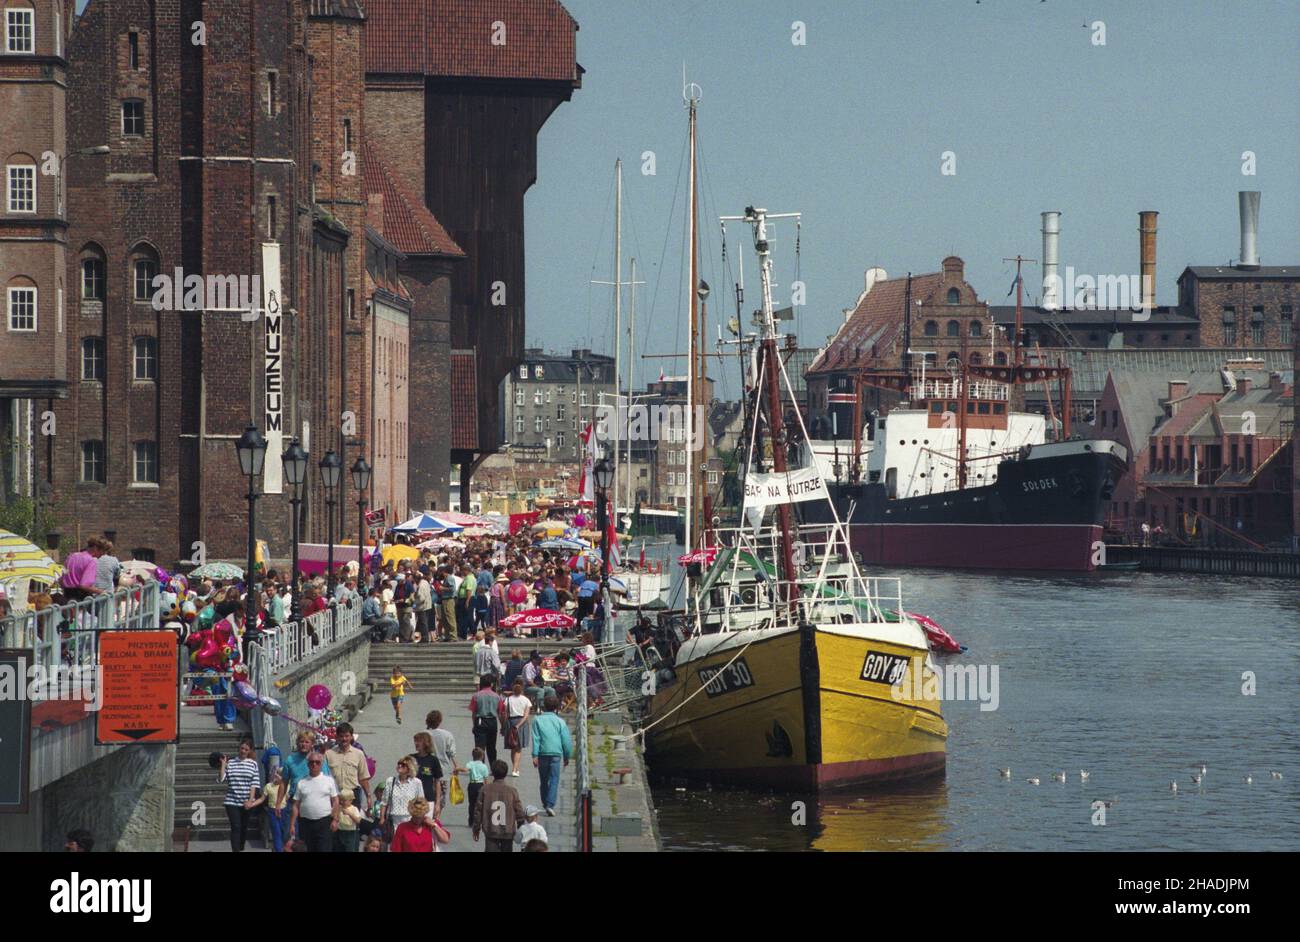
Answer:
(456, 94)
(948, 323)
(33, 234)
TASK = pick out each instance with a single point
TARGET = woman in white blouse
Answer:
(399, 790)
(518, 709)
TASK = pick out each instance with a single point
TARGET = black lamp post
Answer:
(295, 473)
(331, 470)
(361, 480)
(603, 471)
(251, 448)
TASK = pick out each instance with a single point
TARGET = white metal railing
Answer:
(295, 642)
(940, 389)
(65, 637)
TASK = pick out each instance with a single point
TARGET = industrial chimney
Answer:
(1051, 280)
(1248, 204)
(1147, 254)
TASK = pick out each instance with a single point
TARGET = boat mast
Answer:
(757, 218)
(694, 497)
(618, 320)
(631, 365)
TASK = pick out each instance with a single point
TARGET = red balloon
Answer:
(319, 697)
(517, 593)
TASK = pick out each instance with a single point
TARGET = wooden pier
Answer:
(1226, 562)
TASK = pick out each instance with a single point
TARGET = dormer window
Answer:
(954, 296)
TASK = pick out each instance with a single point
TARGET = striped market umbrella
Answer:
(21, 559)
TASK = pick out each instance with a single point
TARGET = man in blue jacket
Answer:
(552, 744)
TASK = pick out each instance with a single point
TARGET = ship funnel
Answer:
(1248, 203)
(1051, 247)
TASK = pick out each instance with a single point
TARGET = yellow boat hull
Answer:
(802, 708)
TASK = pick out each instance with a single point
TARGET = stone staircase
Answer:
(444, 667)
(196, 781)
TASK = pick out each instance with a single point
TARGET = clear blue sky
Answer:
(849, 130)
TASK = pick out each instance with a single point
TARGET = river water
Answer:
(1135, 677)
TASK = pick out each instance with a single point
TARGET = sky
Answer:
(849, 129)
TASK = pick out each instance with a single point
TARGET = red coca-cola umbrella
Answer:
(535, 618)
(705, 556)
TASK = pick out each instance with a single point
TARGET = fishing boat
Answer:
(794, 670)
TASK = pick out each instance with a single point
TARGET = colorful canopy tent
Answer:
(398, 552)
(21, 559)
(427, 522)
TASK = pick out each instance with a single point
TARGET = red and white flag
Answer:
(587, 483)
(611, 534)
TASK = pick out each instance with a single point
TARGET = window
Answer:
(1000, 358)
(954, 296)
(559, 411)
(146, 269)
(92, 279)
(143, 553)
(271, 230)
(22, 309)
(146, 358)
(133, 118)
(559, 439)
(537, 371)
(976, 329)
(92, 358)
(272, 92)
(537, 424)
(537, 397)
(932, 328)
(713, 477)
(954, 329)
(519, 425)
(20, 31)
(58, 33)
(976, 358)
(347, 135)
(146, 463)
(1286, 324)
(519, 396)
(1229, 325)
(92, 462)
(352, 304)
(1257, 326)
(22, 187)
(133, 49)
(523, 371)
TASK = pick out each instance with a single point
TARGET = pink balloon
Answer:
(209, 655)
(517, 592)
(319, 697)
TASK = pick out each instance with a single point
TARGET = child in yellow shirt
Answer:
(398, 683)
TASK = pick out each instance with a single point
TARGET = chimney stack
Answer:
(1248, 205)
(1147, 256)
(1051, 281)
(1275, 382)
(1177, 388)
(1243, 384)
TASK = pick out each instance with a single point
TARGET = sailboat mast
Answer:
(618, 326)
(693, 527)
(631, 384)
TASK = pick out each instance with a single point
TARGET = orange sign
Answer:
(139, 688)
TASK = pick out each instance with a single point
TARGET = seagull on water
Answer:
(1173, 786)
(1196, 778)
(1032, 781)
(1058, 776)
(1249, 780)
(1084, 775)
(1108, 802)
(1275, 774)
(1005, 773)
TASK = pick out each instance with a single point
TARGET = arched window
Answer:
(20, 301)
(93, 285)
(976, 358)
(144, 268)
(1000, 358)
(20, 183)
(953, 359)
(932, 328)
(954, 329)
(954, 296)
(976, 329)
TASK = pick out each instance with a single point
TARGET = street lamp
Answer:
(603, 472)
(251, 448)
(361, 480)
(331, 470)
(295, 473)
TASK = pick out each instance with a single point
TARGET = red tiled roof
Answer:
(877, 322)
(454, 38)
(407, 222)
(464, 400)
